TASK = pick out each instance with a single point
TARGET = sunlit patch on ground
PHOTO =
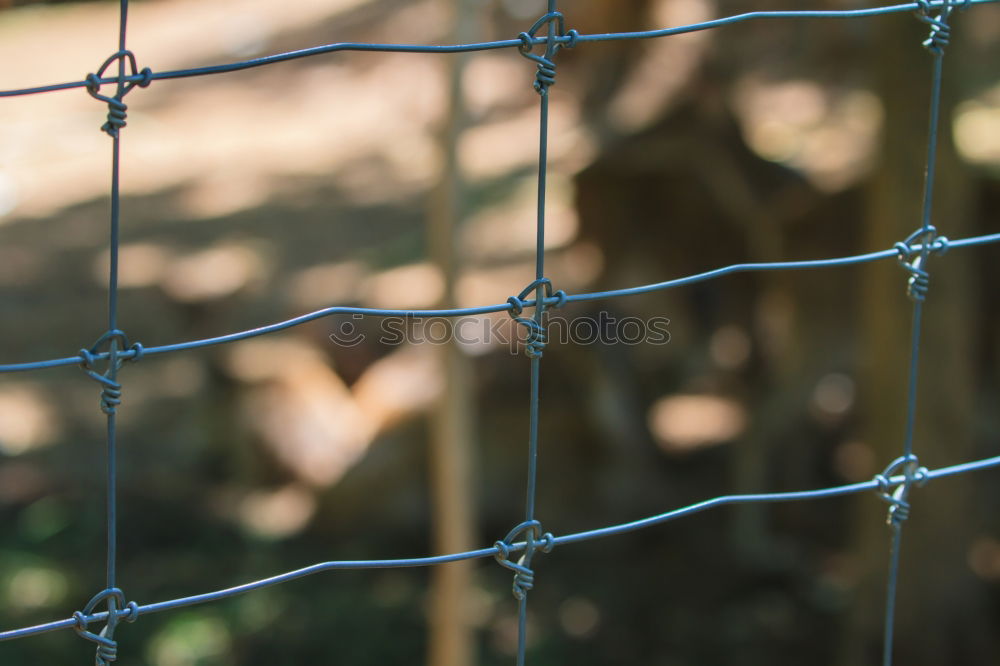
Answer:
(984, 558)
(406, 382)
(139, 265)
(301, 410)
(828, 135)
(190, 639)
(213, 273)
(27, 419)
(508, 230)
(687, 422)
(32, 587)
(327, 284)
(666, 66)
(855, 461)
(977, 129)
(580, 617)
(730, 347)
(833, 396)
(416, 286)
(277, 514)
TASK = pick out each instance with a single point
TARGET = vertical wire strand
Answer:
(532, 482)
(112, 437)
(522, 629)
(911, 400)
(911, 389)
(890, 606)
(932, 138)
(543, 152)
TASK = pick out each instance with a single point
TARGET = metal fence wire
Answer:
(120, 74)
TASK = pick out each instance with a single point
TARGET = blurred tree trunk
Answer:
(939, 618)
(451, 637)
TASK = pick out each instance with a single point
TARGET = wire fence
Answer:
(517, 551)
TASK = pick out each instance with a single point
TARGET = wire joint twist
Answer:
(119, 351)
(940, 35)
(538, 338)
(914, 259)
(546, 74)
(535, 540)
(898, 499)
(116, 107)
(107, 646)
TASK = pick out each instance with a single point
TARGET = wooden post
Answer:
(451, 634)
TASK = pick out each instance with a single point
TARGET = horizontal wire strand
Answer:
(808, 264)
(578, 537)
(494, 45)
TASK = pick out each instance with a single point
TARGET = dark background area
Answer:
(258, 196)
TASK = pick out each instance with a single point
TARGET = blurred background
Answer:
(408, 181)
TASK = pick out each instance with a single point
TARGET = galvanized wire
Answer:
(501, 44)
(517, 546)
(549, 35)
(554, 300)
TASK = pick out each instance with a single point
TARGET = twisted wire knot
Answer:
(898, 499)
(119, 350)
(116, 107)
(107, 646)
(537, 337)
(919, 282)
(534, 540)
(940, 35)
(546, 74)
